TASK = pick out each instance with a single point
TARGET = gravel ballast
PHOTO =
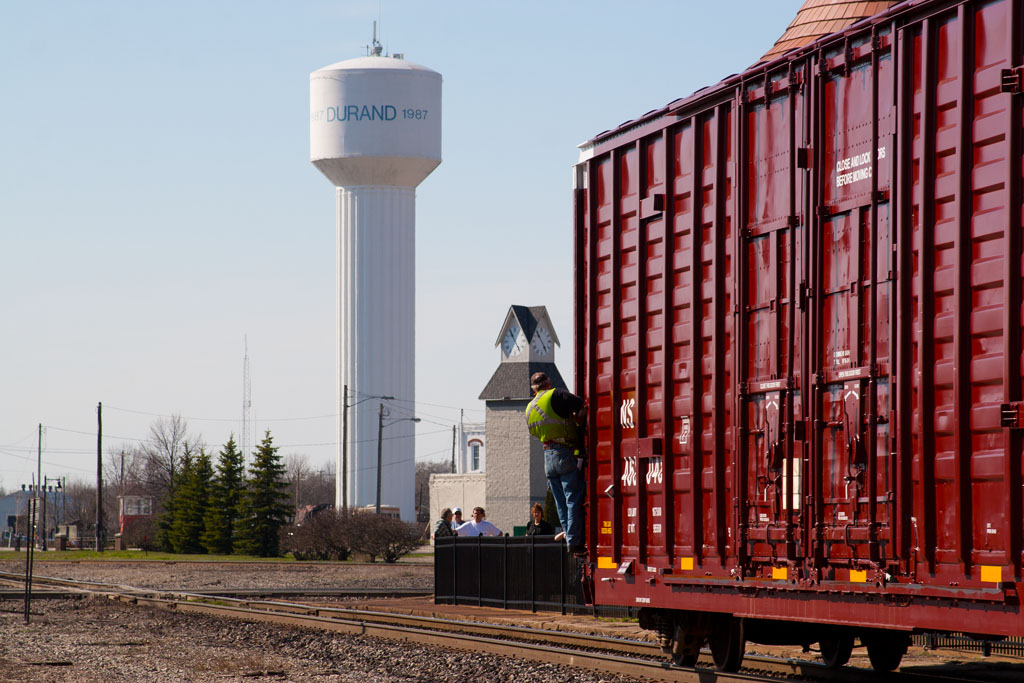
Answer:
(96, 639)
(209, 576)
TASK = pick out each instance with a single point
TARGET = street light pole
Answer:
(344, 447)
(380, 433)
(345, 405)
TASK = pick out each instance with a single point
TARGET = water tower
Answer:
(375, 132)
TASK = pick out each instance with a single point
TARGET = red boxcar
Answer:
(798, 325)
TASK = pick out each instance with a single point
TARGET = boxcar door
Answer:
(852, 249)
(770, 271)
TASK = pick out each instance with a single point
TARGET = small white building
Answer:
(472, 454)
(466, 491)
(467, 486)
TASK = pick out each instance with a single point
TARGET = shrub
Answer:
(384, 537)
(322, 536)
(331, 535)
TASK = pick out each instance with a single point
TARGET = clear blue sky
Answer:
(157, 203)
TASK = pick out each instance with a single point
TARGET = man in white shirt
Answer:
(478, 526)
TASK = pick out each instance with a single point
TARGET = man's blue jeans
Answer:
(567, 488)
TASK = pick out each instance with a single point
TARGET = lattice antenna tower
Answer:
(244, 442)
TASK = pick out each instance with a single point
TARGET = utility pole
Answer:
(31, 524)
(42, 521)
(454, 428)
(345, 405)
(344, 447)
(32, 508)
(39, 468)
(380, 432)
(99, 477)
(63, 499)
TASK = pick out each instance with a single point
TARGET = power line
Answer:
(46, 462)
(423, 419)
(109, 436)
(438, 405)
(373, 466)
(373, 440)
(223, 419)
(301, 418)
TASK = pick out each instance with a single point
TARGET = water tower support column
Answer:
(376, 328)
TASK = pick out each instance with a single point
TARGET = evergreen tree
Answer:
(225, 497)
(165, 523)
(264, 504)
(192, 498)
(163, 526)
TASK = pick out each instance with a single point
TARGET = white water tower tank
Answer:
(375, 132)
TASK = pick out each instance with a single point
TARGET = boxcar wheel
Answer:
(836, 650)
(886, 649)
(689, 659)
(727, 644)
(685, 647)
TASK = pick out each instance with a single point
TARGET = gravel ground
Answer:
(96, 640)
(197, 576)
(102, 641)
(93, 641)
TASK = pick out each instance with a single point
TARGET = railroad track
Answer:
(17, 579)
(599, 653)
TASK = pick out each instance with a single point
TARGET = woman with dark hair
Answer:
(538, 526)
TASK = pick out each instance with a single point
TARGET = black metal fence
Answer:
(511, 572)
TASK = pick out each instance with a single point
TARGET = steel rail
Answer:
(311, 591)
(541, 645)
(598, 653)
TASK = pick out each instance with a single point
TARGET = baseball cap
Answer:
(459, 510)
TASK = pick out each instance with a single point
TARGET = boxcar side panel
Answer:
(966, 305)
(799, 332)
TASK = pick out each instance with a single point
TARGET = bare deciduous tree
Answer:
(162, 453)
(423, 472)
(297, 471)
(319, 488)
(80, 504)
(123, 469)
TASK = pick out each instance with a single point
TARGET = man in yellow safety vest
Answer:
(553, 417)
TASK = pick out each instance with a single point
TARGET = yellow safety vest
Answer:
(545, 424)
